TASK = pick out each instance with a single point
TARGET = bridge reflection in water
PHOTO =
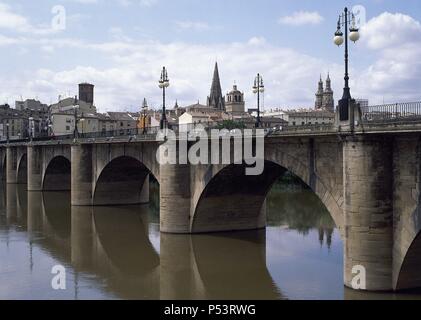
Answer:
(117, 252)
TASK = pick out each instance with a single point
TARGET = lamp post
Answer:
(7, 131)
(164, 83)
(145, 110)
(82, 124)
(344, 20)
(257, 89)
(31, 129)
(75, 106)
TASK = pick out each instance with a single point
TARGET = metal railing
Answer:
(397, 112)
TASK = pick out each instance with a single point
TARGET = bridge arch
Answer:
(410, 272)
(231, 200)
(22, 169)
(124, 180)
(57, 175)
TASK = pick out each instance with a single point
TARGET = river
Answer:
(119, 253)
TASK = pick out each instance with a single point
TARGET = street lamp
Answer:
(257, 89)
(31, 129)
(75, 106)
(82, 122)
(164, 83)
(344, 19)
(145, 110)
(7, 131)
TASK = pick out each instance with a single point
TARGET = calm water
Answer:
(118, 252)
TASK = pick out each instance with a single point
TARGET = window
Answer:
(121, 124)
(68, 120)
(293, 123)
(302, 123)
(67, 128)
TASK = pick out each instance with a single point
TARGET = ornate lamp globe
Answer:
(338, 39)
(354, 35)
(255, 89)
(339, 36)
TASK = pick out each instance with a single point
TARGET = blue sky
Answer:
(121, 45)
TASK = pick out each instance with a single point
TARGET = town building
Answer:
(30, 118)
(31, 104)
(303, 117)
(78, 111)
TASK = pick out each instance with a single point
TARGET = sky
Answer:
(47, 47)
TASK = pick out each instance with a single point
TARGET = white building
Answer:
(191, 118)
(62, 124)
(303, 117)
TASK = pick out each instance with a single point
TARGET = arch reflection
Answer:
(218, 266)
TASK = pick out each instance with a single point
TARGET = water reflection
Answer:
(118, 252)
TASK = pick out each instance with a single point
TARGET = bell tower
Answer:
(319, 95)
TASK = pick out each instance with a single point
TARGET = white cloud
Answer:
(390, 30)
(85, 1)
(148, 3)
(192, 25)
(142, 3)
(396, 73)
(134, 67)
(301, 18)
(18, 23)
(10, 20)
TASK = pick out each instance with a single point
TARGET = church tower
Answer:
(215, 99)
(319, 95)
(235, 101)
(328, 102)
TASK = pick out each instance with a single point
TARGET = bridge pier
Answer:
(368, 189)
(81, 175)
(34, 168)
(11, 165)
(175, 198)
(81, 236)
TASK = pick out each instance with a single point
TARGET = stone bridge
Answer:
(368, 177)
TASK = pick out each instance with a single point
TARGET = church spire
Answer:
(215, 99)
(328, 83)
(320, 87)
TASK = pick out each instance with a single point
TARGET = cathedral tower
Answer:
(215, 99)
(319, 95)
(328, 102)
(235, 101)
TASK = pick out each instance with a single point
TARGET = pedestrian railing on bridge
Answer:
(397, 112)
(379, 115)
